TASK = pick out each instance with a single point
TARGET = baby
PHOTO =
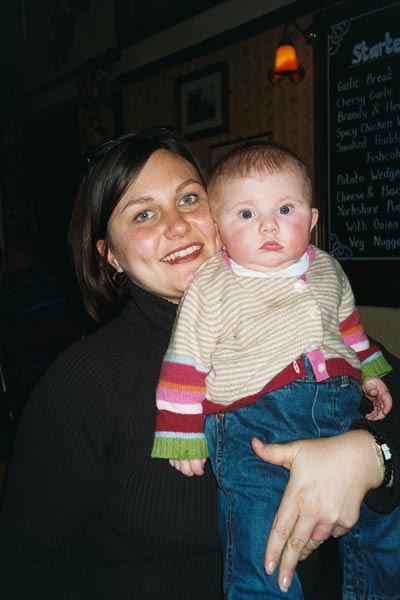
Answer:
(267, 343)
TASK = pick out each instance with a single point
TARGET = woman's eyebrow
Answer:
(134, 201)
(187, 182)
(145, 199)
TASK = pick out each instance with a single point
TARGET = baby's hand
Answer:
(194, 466)
(376, 390)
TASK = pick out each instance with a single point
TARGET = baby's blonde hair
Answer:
(256, 158)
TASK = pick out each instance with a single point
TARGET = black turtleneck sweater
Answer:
(87, 514)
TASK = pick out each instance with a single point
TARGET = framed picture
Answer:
(202, 101)
(219, 150)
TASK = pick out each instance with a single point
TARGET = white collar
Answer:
(296, 269)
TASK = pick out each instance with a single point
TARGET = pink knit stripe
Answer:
(356, 338)
(311, 253)
(180, 395)
(226, 258)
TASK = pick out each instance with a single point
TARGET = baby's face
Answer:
(264, 221)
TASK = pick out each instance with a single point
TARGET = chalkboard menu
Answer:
(358, 71)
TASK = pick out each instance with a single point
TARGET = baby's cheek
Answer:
(300, 237)
(236, 241)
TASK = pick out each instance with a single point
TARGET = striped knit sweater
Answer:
(236, 338)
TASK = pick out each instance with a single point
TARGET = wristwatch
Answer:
(387, 458)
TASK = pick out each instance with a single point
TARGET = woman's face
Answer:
(161, 230)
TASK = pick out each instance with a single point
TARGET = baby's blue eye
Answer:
(285, 209)
(246, 213)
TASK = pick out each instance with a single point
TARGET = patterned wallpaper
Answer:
(255, 105)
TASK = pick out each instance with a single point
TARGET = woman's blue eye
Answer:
(144, 215)
(285, 209)
(189, 199)
(246, 213)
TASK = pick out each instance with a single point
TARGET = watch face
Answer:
(386, 451)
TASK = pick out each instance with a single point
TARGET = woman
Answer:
(86, 512)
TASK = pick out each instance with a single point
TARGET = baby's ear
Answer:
(314, 218)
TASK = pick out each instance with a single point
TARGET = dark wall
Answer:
(52, 169)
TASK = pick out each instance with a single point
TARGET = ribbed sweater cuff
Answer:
(179, 449)
(376, 368)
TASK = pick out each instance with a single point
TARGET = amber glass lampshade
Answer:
(286, 63)
(285, 59)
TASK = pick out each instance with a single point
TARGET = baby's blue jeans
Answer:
(250, 491)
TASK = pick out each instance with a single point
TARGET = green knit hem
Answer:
(180, 449)
(376, 368)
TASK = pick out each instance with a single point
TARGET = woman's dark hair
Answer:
(111, 168)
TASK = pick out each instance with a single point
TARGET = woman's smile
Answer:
(183, 255)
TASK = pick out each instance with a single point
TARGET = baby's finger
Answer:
(175, 464)
(186, 468)
(197, 466)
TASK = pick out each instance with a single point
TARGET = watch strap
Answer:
(387, 457)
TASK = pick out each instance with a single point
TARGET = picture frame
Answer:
(202, 101)
(219, 150)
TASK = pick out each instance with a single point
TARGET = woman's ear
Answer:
(109, 255)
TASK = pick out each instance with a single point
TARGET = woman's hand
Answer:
(329, 478)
